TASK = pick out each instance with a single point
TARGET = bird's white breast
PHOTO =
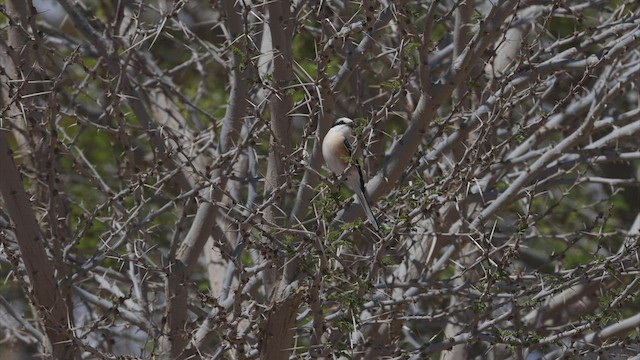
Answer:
(334, 151)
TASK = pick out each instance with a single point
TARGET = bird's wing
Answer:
(361, 195)
(347, 145)
(355, 163)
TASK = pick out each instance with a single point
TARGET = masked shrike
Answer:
(337, 152)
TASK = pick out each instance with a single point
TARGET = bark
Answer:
(46, 298)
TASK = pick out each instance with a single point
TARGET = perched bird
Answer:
(337, 153)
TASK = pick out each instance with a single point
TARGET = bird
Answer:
(337, 150)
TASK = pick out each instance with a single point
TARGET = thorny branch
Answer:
(164, 194)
